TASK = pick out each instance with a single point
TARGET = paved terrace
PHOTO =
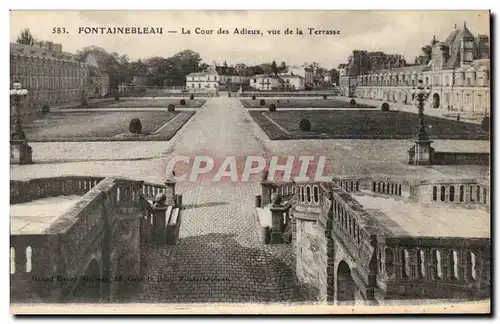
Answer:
(36, 216)
(403, 218)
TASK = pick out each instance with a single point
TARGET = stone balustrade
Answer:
(150, 190)
(466, 191)
(286, 191)
(105, 224)
(28, 190)
(428, 267)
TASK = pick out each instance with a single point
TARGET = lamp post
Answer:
(421, 152)
(421, 94)
(17, 94)
(20, 151)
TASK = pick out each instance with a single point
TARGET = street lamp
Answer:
(421, 94)
(421, 152)
(20, 151)
(17, 94)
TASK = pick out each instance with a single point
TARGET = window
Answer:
(434, 193)
(461, 195)
(452, 194)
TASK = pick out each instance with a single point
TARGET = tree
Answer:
(26, 38)
(335, 76)
(203, 67)
(274, 68)
(283, 67)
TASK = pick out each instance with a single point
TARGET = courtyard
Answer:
(219, 236)
(361, 124)
(302, 103)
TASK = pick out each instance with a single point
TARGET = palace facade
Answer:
(457, 72)
(53, 76)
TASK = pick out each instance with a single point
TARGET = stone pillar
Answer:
(277, 224)
(421, 153)
(266, 193)
(159, 225)
(258, 201)
(20, 152)
(170, 192)
(178, 201)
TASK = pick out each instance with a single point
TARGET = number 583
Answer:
(59, 30)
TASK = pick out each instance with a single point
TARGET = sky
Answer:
(401, 32)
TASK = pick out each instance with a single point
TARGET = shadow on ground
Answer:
(207, 204)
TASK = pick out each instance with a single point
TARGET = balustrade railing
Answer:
(460, 264)
(452, 192)
(390, 188)
(150, 190)
(29, 255)
(27, 190)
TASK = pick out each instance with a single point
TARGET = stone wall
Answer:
(460, 158)
(102, 230)
(311, 255)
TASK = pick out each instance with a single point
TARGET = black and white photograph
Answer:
(250, 161)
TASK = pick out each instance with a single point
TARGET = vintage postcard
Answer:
(241, 162)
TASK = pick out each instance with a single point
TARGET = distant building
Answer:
(50, 75)
(292, 82)
(361, 62)
(327, 77)
(207, 81)
(266, 82)
(229, 73)
(458, 74)
(98, 80)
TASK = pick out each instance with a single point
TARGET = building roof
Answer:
(453, 41)
(271, 76)
(226, 70)
(198, 74)
(37, 51)
(290, 76)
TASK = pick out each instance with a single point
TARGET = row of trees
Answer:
(156, 71)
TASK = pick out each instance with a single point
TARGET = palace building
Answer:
(457, 70)
(53, 76)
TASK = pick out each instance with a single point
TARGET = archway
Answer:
(435, 101)
(345, 284)
(88, 290)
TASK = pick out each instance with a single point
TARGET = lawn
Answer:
(362, 124)
(102, 126)
(301, 103)
(146, 103)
